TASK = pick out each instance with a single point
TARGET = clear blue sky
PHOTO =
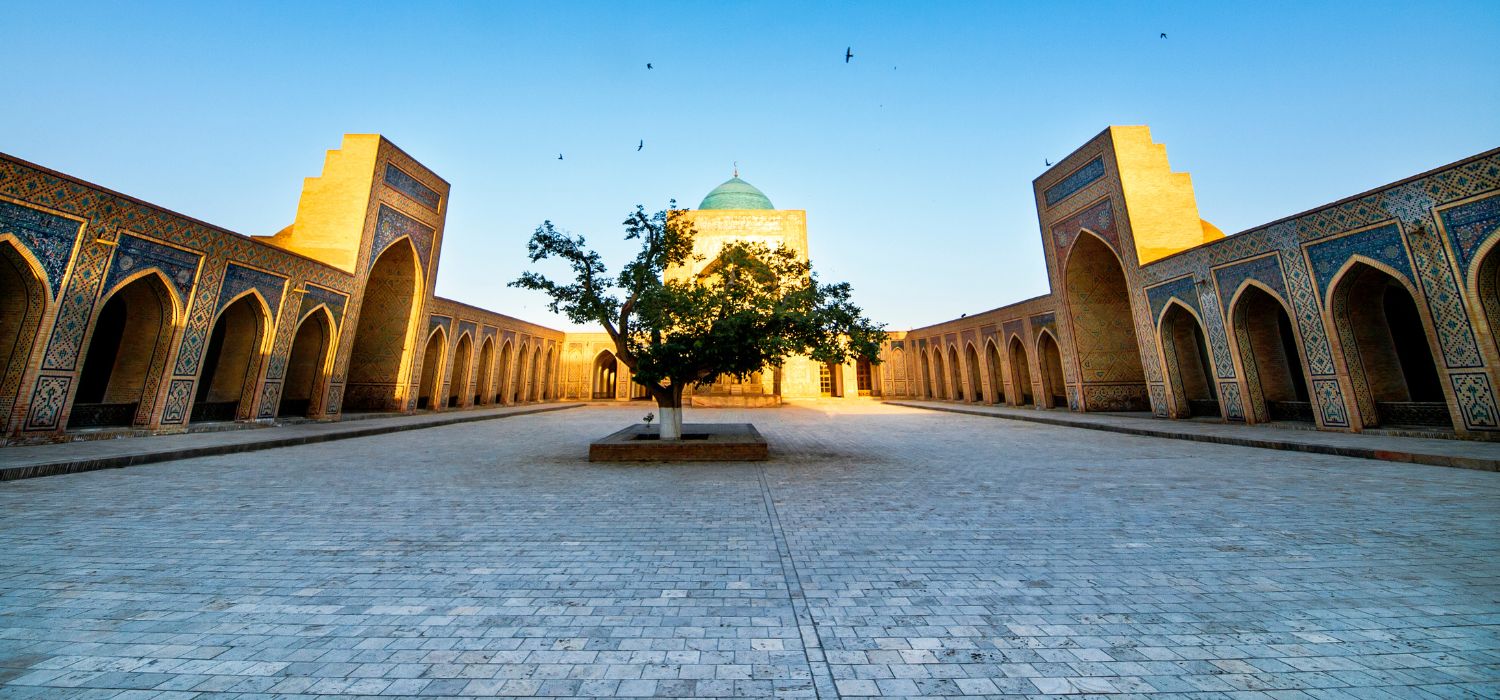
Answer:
(914, 161)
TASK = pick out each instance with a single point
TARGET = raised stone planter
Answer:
(701, 442)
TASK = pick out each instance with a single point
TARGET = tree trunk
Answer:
(669, 403)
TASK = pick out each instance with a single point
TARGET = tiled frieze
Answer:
(1075, 181)
(397, 179)
(49, 238)
(392, 225)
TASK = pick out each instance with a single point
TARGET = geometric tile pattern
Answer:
(1331, 402)
(47, 403)
(398, 180)
(1265, 269)
(76, 308)
(1182, 288)
(467, 327)
(133, 254)
(1099, 218)
(239, 279)
(49, 237)
(1382, 244)
(1476, 400)
(445, 322)
(1075, 181)
(1229, 394)
(316, 295)
(1470, 225)
(391, 225)
(179, 392)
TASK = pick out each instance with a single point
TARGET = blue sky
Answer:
(914, 161)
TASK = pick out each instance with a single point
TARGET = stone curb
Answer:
(1435, 460)
(152, 456)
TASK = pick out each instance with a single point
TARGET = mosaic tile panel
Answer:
(239, 279)
(270, 396)
(1158, 396)
(1476, 400)
(391, 225)
(1015, 328)
(133, 254)
(1183, 288)
(470, 327)
(1229, 398)
(1046, 321)
(50, 238)
(47, 402)
(1077, 180)
(335, 399)
(1382, 243)
(398, 180)
(179, 397)
(317, 295)
(66, 341)
(1331, 403)
(1444, 302)
(445, 322)
(1265, 269)
(1099, 218)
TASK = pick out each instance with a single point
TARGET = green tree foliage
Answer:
(749, 309)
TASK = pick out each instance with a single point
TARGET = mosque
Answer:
(1376, 312)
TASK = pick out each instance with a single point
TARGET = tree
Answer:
(749, 309)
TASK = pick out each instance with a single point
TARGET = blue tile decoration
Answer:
(239, 279)
(1265, 269)
(470, 328)
(1079, 179)
(1382, 243)
(444, 321)
(316, 295)
(134, 254)
(1229, 396)
(47, 403)
(1015, 328)
(1330, 400)
(179, 395)
(1099, 218)
(398, 180)
(1182, 288)
(1476, 400)
(49, 237)
(1047, 321)
(391, 225)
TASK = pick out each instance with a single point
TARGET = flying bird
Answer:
(848, 53)
(1163, 35)
(642, 145)
(559, 156)
(1048, 162)
(648, 66)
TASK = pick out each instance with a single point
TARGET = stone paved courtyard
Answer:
(883, 551)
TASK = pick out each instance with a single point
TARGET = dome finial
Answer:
(736, 168)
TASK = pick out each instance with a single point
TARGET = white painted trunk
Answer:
(671, 423)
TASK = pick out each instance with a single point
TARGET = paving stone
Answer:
(883, 551)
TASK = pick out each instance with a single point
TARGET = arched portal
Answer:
(1189, 374)
(231, 364)
(1103, 329)
(543, 389)
(131, 338)
(976, 383)
(1020, 373)
(307, 365)
(431, 386)
(381, 336)
(926, 377)
(458, 383)
(997, 376)
(1386, 350)
(23, 302)
(1276, 386)
(534, 376)
(605, 373)
(522, 385)
(502, 376)
(939, 379)
(483, 394)
(955, 374)
(1049, 359)
(1486, 288)
(1185, 355)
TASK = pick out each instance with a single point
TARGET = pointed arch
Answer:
(463, 359)
(975, 388)
(1020, 372)
(130, 336)
(995, 366)
(484, 389)
(1387, 345)
(430, 390)
(25, 298)
(955, 374)
(229, 375)
(1268, 347)
(1106, 349)
(1049, 363)
(1483, 286)
(309, 364)
(504, 381)
(387, 332)
(939, 376)
(603, 384)
(1186, 364)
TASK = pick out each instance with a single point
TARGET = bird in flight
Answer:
(642, 145)
(648, 66)
(559, 156)
(1048, 162)
(1163, 35)
(848, 53)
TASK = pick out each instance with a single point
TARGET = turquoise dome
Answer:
(736, 194)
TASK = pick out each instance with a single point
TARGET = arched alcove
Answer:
(605, 376)
(483, 392)
(130, 340)
(1267, 344)
(307, 364)
(1049, 358)
(1386, 349)
(380, 337)
(997, 374)
(23, 303)
(1103, 327)
(1020, 373)
(458, 382)
(430, 389)
(231, 363)
(1189, 372)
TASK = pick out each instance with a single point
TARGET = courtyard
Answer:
(883, 551)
